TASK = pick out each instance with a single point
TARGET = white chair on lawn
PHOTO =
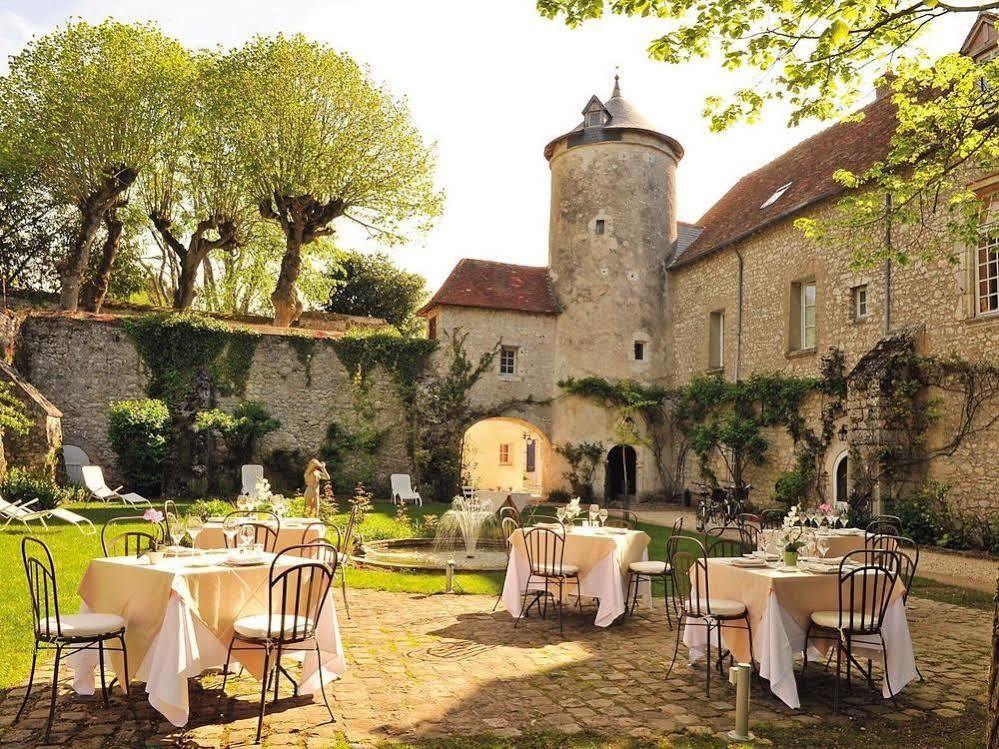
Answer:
(250, 475)
(402, 490)
(93, 479)
(24, 514)
(75, 458)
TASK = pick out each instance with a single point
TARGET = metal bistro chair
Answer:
(508, 525)
(744, 518)
(66, 634)
(117, 543)
(771, 518)
(865, 590)
(651, 570)
(720, 546)
(509, 511)
(546, 563)
(883, 525)
(296, 594)
(625, 519)
(908, 561)
(341, 555)
(691, 584)
(265, 532)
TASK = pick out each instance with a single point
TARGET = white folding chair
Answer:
(93, 479)
(249, 476)
(24, 514)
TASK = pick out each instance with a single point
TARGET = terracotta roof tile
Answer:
(808, 167)
(490, 285)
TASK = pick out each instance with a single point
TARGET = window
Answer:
(639, 350)
(508, 360)
(594, 119)
(802, 323)
(432, 329)
(777, 195)
(716, 340)
(504, 454)
(598, 227)
(987, 259)
(860, 309)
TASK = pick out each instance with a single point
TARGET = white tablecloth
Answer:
(185, 646)
(603, 559)
(778, 637)
(519, 500)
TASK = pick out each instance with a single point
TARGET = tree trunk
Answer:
(287, 306)
(992, 729)
(72, 267)
(190, 263)
(96, 289)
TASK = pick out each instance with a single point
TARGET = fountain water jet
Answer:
(466, 522)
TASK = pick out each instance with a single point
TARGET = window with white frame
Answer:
(594, 118)
(716, 340)
(504, 454)
(987, 259)
(802, 322)
(860, 305)
(508, 360)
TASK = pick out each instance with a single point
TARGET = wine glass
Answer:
(247, 537)
(594, 511)
(178, 529)
(230, 527)
(194, 527)
(604, 514)
(823, 545)
(560, 514)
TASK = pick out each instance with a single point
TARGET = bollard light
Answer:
(740, 675)
(449, 587)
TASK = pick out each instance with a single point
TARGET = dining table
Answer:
(838, 541)
(291, 533)
(179, 614)
(780, 602)
(602, 555)
(498, 498)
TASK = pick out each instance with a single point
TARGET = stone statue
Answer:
(314, 473)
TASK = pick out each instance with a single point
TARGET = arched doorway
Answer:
(504, 453)
(841, 478)
(621, 472)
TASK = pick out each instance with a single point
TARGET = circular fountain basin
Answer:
(426, 554)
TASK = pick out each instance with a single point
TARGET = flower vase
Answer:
(790, 558)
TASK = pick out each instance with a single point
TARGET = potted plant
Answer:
(790, 536)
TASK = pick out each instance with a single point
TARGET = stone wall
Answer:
(82, 365)
(935, 297)
(38, 449)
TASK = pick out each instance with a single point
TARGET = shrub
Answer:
(558, 497)
(21, 485)
(211, 508)
(791, 488)
(139, 433)
(241, 430)
(926, 515)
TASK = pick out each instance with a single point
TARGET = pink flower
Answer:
(153, 515)
(825, 508)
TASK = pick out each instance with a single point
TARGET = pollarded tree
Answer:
(86, 108)
(321, 140)
(196, 185)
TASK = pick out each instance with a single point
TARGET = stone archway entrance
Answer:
(505, 453)
(621, 472)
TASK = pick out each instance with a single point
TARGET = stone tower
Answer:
(613, 223)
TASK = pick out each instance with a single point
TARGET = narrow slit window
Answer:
(716, 340)
(639, 350)
(860, 304)
(599, 226)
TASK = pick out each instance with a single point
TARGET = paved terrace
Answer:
(445, 665)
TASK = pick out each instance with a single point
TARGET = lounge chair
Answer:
(24, 514)
(250, 475)
(75, 458)
(93, 479)
(402, 490)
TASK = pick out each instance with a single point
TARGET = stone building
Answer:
(631, 293)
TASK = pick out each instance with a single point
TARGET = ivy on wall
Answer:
(404, 359)
(178, 348)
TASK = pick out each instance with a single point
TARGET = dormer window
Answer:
(594, 119)
(777, 195)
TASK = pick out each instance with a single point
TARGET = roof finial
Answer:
(617, 84)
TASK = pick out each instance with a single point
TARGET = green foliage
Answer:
(583, 459)
(559, 497)
(305, 350)
(22, 485)
(405, 359)
(13, 416)
(241, 430)
(139, 433)
(792, 487)
(177, 347)
(374, 286)
(352, 455)
(211, 508)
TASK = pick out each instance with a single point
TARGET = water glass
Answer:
(594, 511)
(177, 531)
(230, 527)
(247, 537)
(604, 514)
(194, 527)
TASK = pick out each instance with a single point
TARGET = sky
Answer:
(490, 83)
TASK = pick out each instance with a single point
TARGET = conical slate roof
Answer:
(623, 116)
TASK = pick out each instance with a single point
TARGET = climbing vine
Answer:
(582, 459)
(177, 349)
(405, 359)
(305, 350)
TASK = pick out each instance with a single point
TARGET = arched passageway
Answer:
(506, 454)
(621, 472)
(841, 478)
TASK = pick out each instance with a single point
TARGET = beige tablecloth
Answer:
(211, 536)
(602, 557)
(179, 620)
(780, 605)
(519, 500)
